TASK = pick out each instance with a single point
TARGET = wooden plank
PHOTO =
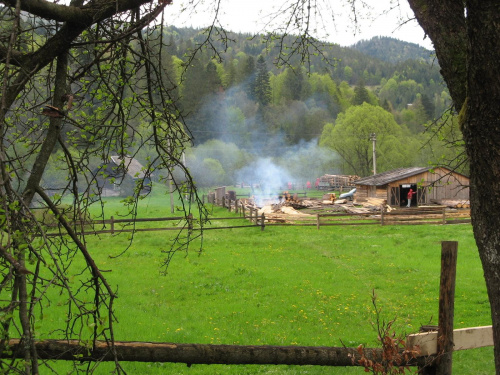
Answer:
(464, 338)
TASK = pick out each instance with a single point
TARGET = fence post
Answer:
(243, 211)
(256, 220)
(112, 225)
(382, 216)
(229, 204)
(190, 221)
(223, 202)
(262, 219)
(236, 202)
(317, 221)
(449, 250)
(444, 215)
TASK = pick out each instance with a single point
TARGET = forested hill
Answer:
(239, 105)
(393, 50)
(367, 60)
(243, 89)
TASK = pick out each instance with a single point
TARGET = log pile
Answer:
(452, 203)
(336, 181)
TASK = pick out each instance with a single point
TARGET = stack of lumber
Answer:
(452, 203)
(339, 180)
(280, 213)
(340, 201)
(357, 210)
(375, 202)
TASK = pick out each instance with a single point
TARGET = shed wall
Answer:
(438, 185)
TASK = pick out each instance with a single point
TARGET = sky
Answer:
(392, 18)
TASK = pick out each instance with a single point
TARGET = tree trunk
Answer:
(201, 353)
(466, 36)
(482, 136)
(444, 22)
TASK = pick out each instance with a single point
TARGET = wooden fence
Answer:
(403, 216)
(438, 216)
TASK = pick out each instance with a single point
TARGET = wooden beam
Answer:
(463, 339)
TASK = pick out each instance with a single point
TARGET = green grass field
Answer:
(287, 286)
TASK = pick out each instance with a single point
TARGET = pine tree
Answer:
(212, 80)
(292, 86)
(247, 75)
(171, 46)
(361, 94)
(429, 107)
(230, 77)
(386, 105)
(262, 85)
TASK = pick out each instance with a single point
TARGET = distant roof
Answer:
(391, 176)
(131, 165)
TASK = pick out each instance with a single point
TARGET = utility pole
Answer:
(373, 138)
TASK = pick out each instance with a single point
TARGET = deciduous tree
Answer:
(350, 138)
(76, 88)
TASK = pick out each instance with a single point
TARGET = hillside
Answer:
(393, 50)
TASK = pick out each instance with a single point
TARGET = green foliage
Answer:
(444, 145)
(350, 138)
(217, 157)
(362, 95)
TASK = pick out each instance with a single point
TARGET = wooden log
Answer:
(196, 353)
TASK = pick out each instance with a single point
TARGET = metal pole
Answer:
(373, 138)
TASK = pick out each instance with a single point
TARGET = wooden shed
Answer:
(118, 177)
(430, 184)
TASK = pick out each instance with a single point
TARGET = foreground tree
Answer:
(466, 37)
(79, 83)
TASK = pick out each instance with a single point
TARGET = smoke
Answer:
(253, 147)
(269, 177)
(296, 166)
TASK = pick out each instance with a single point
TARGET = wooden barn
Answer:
(118, 177)
(431, 184)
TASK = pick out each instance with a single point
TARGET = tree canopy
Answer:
(351, 138)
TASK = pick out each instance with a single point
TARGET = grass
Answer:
(287, 286)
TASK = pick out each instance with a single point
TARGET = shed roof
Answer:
(385, 178)
(132, 166)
